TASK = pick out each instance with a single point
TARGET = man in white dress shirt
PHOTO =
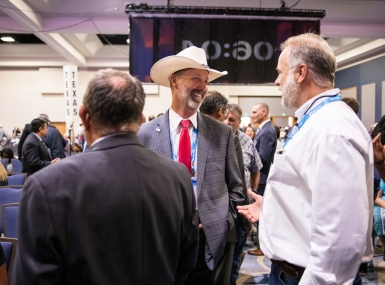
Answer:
(316, 214)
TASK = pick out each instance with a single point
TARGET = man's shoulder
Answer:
(146, 127)
(245, 139)
(210, 122)
(31, 138)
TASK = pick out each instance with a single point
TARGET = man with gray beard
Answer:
(204, 146)
(320, 187)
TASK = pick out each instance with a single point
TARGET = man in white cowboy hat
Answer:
(205, 146)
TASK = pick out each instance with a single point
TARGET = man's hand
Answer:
(378, 149)
(252, 211)
(55, 160)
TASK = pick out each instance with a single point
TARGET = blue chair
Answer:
(9, 246)
(8, 196)
(10, 214)
(4, 162)
(16, 165)
(17, 179)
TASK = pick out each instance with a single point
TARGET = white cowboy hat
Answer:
(191, 57)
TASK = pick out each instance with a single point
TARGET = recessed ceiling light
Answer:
(128, 41)
(7, 39)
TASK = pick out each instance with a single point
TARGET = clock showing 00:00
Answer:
(242, 50)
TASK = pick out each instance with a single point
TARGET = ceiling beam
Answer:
(23, 14)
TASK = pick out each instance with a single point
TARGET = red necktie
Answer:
(185, 145)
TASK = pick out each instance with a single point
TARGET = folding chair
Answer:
(8, 196)
(4, 162)
(10, 214)
(9, 247)
(16, 165)
(17, 179)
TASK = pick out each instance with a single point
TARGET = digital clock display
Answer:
(247, 49)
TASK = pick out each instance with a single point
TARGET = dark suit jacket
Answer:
(266, 145)
(115, 214)
(24, 135)
(35, 155)
(219, 184)
(56, 143)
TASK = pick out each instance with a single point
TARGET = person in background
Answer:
(214, 106)
(35, 151)
(8, 153)
(5, 138)
(249, 130)
(151, 117)
(352, 103)
(54, 140)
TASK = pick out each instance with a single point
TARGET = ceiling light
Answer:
(7, 39)
(128, 41)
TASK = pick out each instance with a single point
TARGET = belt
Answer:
(288, 268)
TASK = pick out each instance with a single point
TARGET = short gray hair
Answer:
(114, 101)
(315, 52)
(234, 107)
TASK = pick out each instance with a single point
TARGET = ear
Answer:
(218, 113)
(173, 81)
(142, 119)
(301, 72)
(85, 116)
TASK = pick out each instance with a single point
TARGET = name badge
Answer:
(194, 184)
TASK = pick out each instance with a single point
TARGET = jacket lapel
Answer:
(162, 135)
(204, 136)
(43, 146)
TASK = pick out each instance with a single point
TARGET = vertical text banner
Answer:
(70, 76)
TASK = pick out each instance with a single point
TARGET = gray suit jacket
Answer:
(6, 135)
(219, 183)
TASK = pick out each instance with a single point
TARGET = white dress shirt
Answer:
(318, 203)
(175, 130)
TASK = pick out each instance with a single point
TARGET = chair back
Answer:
(10, 214)
(17, 179)
(17, 166)
(4, 162)
(13, 186)
(9, 246)
(8, 196)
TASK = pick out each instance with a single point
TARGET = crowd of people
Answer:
(171, 201)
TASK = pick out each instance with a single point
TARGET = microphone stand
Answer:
(70, 134)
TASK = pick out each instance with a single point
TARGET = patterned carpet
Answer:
(256, 269)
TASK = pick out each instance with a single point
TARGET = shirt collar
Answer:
(175, 119)
(263, 123)
(38, 137)
(102, 138)
(301, 111)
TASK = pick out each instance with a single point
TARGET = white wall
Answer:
(22, 100)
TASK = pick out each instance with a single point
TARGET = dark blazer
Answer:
(55, 141)
(219, 184)
(24, 135)
(115, 214)
(266, 144)
(35, 155)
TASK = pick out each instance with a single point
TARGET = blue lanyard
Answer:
(299, 125)
(193, 150)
